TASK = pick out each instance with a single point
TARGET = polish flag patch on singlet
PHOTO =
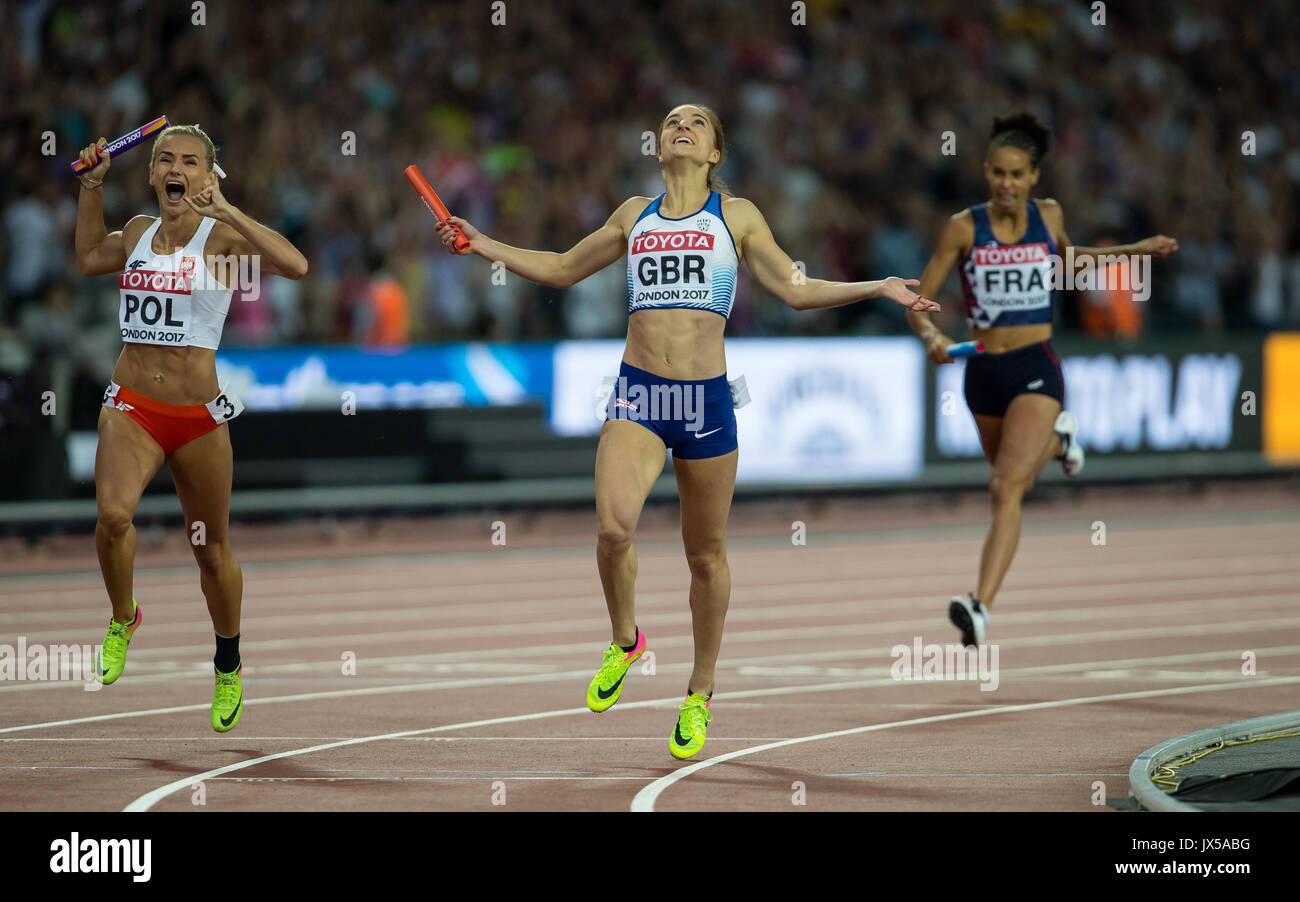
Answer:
(155, 305)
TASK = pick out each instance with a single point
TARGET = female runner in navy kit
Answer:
(1016, 390)
(682, 248)
(164, 403)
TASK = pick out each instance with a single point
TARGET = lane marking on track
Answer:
(763, 599)
(1267, 547)
(881, 773)
(355, 640)
(645, 799)
(1045, 669)
(736, 665)
(486, 776)
(312, 696)
(223, 738)
(63, 767)
(1046, 561)
(148, 800)
(758, 584)
(1135, 527)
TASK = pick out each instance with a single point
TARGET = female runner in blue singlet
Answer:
(1016, 390)
(682, 250)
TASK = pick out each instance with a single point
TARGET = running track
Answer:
(472, 660)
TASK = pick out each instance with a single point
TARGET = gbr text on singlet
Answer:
(664, 261)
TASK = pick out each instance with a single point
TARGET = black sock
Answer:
(227, 657)
(629, 648)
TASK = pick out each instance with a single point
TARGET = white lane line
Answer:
(482, 779)
(144, 802)
(488, 775)
(59, 723)
(857, 651)
(64, 767)
(645, 799)
(866, 557)
(1050, 639)
(223, 738)
(756, 591)
(445, 659)
(1256, 556)
(313, 696)
(1190, 526)
(932, 774)
(1069, 667)
(149, 799)
(759, 573)
(862, 611)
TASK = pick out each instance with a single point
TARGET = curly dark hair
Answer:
(1023, 130)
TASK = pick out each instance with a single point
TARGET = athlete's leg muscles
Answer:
(1025, 444)
(202, 470)
(126, 459)
(706, 488)
(990, 430)
(629, 459)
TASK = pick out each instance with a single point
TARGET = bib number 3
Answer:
(227, 406)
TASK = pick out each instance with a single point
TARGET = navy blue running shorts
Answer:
(992, 380)
(694, 418)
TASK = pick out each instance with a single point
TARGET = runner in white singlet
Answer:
(682, 251)
(177, 274)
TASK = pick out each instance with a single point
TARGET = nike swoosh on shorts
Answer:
(710, 432)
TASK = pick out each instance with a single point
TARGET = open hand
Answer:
(898, 291)
(1159, 245)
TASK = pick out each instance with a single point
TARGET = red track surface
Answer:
(448, 629)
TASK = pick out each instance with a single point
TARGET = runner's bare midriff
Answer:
(676, 343)
(1010, 338)
(189, 374)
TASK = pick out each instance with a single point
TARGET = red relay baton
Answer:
(434, 203)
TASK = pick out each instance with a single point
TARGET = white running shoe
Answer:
(969, 616)
(1071, 451)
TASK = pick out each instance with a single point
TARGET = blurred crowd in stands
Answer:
(1174, 116)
